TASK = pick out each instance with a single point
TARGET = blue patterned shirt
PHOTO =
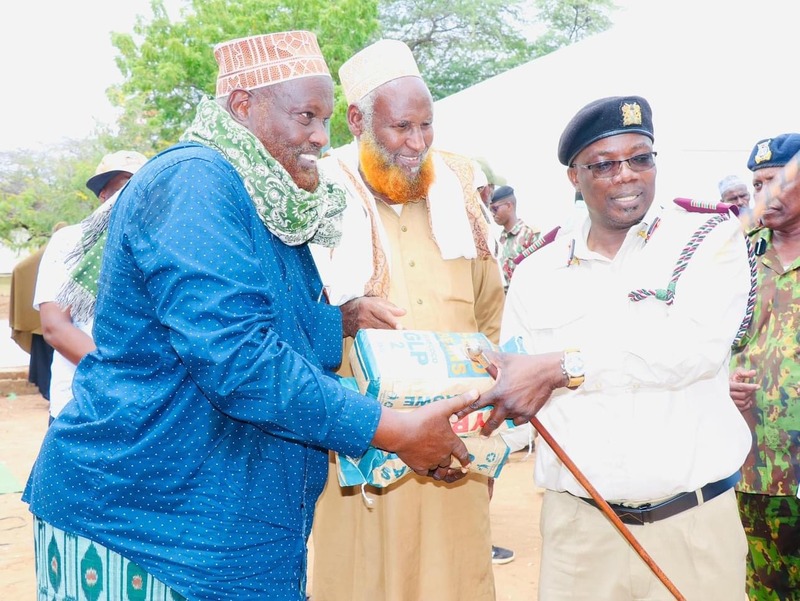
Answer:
(196, 443)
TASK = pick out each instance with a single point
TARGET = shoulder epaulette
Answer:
(701, 206)
(540, 243)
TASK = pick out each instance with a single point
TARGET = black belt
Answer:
(647, 513)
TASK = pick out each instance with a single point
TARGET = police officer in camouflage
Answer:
(516, 235)
(765, 384)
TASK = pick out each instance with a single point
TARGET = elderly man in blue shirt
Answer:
(190, 460)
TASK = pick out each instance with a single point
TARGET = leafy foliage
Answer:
(569, 21)
(39, 189)
(458, 43)
(169, 65)
(173, 67)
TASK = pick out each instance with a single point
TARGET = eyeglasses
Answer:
(607, 169)
(497, 206)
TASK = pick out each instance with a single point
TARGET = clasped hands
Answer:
(424, 439)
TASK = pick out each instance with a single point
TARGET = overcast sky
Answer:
(57, 61)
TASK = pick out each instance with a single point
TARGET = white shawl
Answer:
(346, 269)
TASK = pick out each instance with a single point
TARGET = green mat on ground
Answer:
(8, 483)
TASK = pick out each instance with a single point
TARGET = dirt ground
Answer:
(23, 421)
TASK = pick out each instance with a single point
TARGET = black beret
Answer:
(502, 192)
(603, 118)
(774, 152)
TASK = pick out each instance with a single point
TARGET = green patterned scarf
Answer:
(80, 290)
(292, 214)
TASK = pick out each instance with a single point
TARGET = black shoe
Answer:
(501, 555)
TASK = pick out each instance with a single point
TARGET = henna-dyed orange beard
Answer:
(387, 179)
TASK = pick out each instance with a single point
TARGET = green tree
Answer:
(458, 43)
(168, 66)
(568, 21)
(40, 188)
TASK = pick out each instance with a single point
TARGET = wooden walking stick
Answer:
(476, 354)
(606, 508)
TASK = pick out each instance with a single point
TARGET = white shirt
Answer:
(53, 273)
(654, 416)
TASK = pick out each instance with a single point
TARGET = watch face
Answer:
(573, 364)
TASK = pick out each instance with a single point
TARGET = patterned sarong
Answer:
(73, 568)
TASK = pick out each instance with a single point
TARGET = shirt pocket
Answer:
(552, 323)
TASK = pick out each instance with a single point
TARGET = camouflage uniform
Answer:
(513, 243)
(768, 503)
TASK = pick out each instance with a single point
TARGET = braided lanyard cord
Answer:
(668, 294)
(751, 296)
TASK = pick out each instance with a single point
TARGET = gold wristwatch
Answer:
(572, 367)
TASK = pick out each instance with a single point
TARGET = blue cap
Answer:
(773, 152)
(604, 118)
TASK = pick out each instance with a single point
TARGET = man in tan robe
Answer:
(414, 255)
(24, 321)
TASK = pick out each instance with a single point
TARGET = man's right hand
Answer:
(743, 392)
(524, 383)
(370, 312)
(424, 440)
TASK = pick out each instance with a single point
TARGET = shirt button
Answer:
(419, 301)
(403, 228)
(411, 263)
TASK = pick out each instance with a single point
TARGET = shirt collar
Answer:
(515, 228)
(638, 234)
